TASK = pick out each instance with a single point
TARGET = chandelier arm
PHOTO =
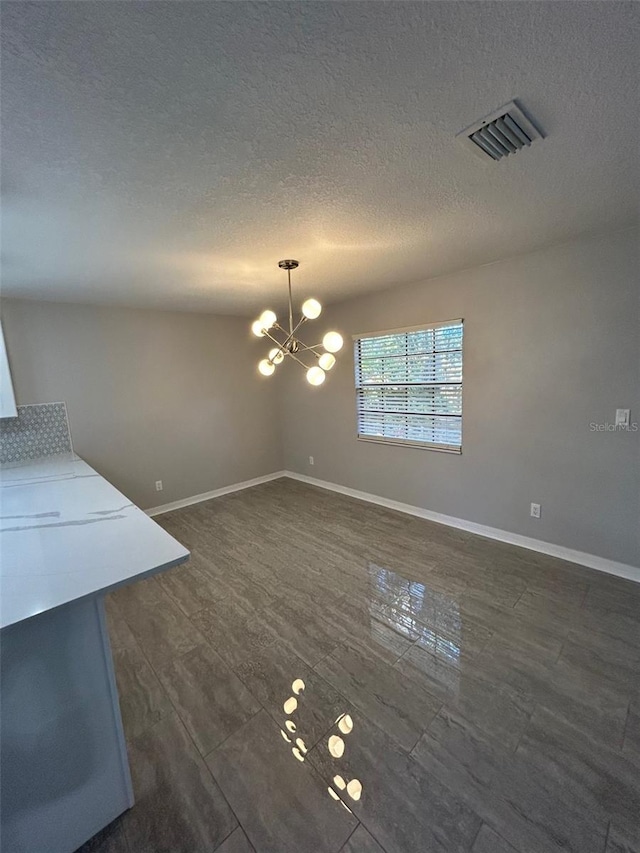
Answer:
(311, 348)
(275, 340)
(285, 351)
(292, 333)
(300, 322)
(287, 339)
(295, 358)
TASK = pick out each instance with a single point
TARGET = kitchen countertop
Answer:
(67, 533)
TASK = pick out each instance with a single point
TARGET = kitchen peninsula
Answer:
(67, 537)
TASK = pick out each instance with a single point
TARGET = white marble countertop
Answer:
(66, 533)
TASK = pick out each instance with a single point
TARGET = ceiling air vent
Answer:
(504, 132)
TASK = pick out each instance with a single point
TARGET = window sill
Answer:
(440, 448)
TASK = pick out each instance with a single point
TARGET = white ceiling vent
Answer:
(502, 133)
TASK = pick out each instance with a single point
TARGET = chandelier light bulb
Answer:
(257, 329)
(326, 361)
(311, 309)
(267, 319)
(332, 342)
(276, 355)
(315, 376)
(266, 367)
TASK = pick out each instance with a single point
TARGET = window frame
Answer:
(399, 442)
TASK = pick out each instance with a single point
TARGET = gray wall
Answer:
(151, 395)
(551, 345)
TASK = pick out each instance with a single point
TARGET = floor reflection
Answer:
(429, 619)
(423, 615)
(335, 744)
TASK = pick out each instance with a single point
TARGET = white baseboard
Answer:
(216, 493)
(591, 561)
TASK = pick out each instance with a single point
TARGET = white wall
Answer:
(551, 346)
(151, 395)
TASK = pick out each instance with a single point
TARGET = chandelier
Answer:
(323, 353)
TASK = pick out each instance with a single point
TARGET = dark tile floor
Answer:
(491, 694)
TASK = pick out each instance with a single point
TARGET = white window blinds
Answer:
(409, 386)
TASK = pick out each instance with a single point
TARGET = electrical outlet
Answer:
(311, 462)
(158, 485)
(535, 510)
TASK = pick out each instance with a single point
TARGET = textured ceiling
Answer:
(170, 153)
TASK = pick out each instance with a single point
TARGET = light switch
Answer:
(622, 417)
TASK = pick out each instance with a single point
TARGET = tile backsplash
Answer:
(38, 430)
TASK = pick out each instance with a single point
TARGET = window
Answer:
(409, 386)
